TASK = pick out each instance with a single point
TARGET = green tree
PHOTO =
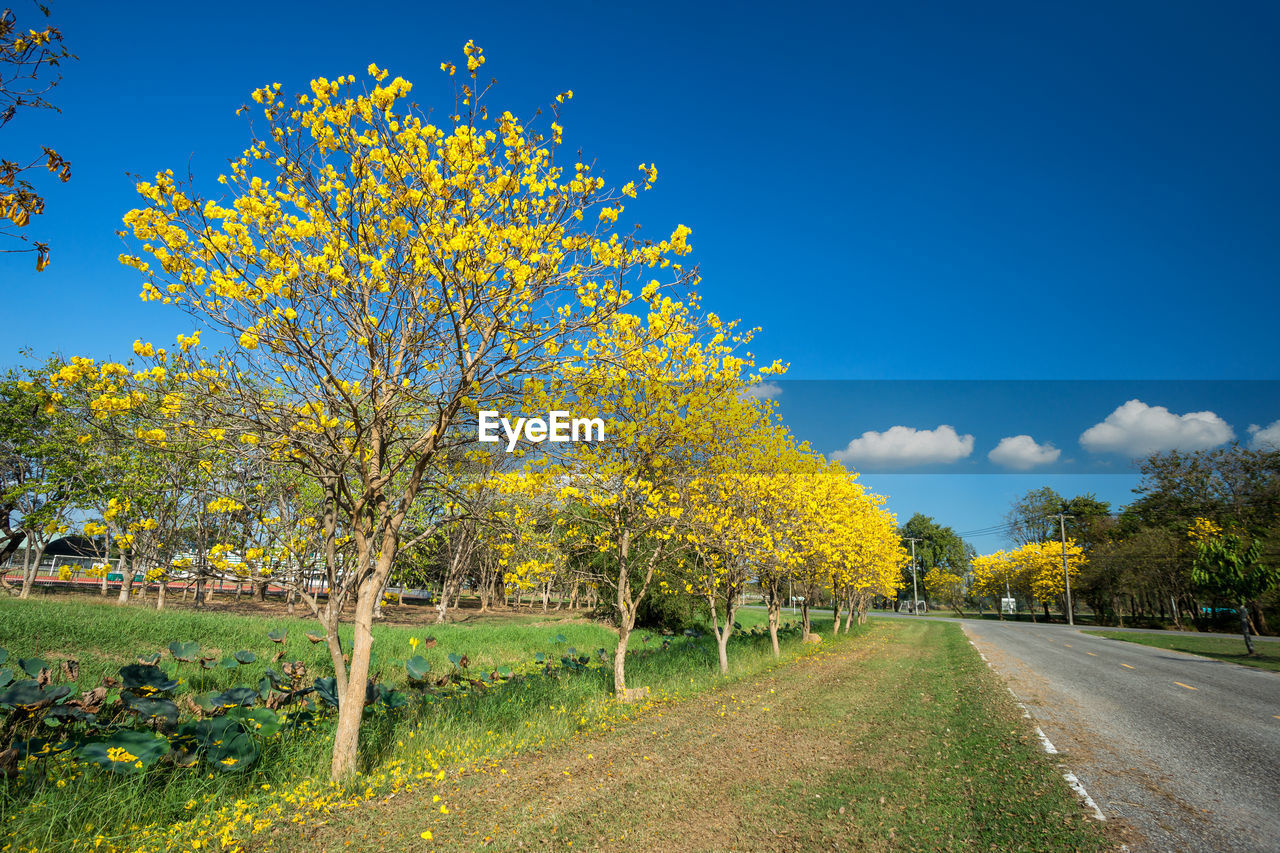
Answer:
(1231, 570)
(42, 474)
(939, 547)
(1029, 516)
(1236, 487)
(1232, 485)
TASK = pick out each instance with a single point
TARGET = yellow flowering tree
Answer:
(727, 515)
(657, 382)
(820, 537)
(144, 482)
(370, 275)
(998, 576)
(782, 513)
(947, 587)
(1042, 564)
(873, 555)
(1034, 570)
(41, 472)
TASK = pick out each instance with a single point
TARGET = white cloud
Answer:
(1265, 438)
(905, 446)
(1021, 453)
(1136, 429)
(763, 391)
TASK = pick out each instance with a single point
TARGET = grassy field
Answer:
(68, 803)
(896, 737)
(1220, 647)
(104, 636)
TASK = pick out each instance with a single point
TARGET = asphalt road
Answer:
(1183, 750)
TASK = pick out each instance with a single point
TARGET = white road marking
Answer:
(1072, 779)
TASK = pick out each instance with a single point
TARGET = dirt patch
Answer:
(685, 775)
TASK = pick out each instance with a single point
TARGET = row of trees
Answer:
(364, 284)
(1202, 536)
(1142, 562)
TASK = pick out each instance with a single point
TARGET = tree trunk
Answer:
(126, 580)
(160, 595)
(334, 641)
(346, 738)
(804, 618)
(774, 605)
(106, 561)
(775, 615)
(486, 588)
(723, 634)
(452, 583)
(626, 619)
(620, 660)
(30, 569)
(717, 631)
(28, 578)
(1259, 618)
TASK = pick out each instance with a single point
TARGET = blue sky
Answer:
(942, 191)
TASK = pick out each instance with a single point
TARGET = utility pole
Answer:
(1066, 576)
(915, 594)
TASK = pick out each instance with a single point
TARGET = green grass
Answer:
(135, 812)
(895, 737)
(103, 637)
(1219, 647)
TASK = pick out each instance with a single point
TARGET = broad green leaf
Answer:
(126, 751)
(237, 696)
(27, 694)
(145, 679)
(32, 666)
(417, 667)
(187, 652)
